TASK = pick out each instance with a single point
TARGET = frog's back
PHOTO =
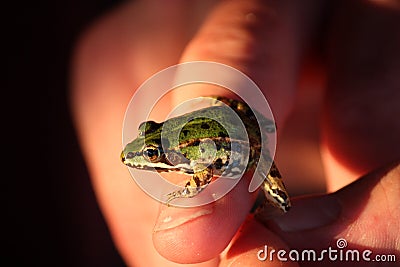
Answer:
(211, 122)
(251, 118)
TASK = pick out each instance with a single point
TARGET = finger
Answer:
(192, 235)
(359, 126)
(365, 214)
(263, 40)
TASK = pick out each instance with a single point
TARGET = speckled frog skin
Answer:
(197, 145)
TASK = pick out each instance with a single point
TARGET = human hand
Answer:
(267, 41)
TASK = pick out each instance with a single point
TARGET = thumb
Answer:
(366, 213)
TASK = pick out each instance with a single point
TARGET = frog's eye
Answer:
(151, 153)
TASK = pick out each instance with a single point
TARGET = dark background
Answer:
(51, 215)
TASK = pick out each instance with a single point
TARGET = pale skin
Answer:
(359, 121)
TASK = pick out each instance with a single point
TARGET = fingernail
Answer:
(310, 213)
(170, 217)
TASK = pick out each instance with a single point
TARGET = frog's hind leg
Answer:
(275, 190)
(194, 186)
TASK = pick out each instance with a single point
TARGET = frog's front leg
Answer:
(200, 179)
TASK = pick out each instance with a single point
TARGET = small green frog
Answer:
(198, 144)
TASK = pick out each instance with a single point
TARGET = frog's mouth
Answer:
(162, 167)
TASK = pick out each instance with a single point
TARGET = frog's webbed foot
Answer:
(194, 186)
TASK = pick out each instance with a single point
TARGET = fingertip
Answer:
(201, 233)
(306, 213)
(190, 242)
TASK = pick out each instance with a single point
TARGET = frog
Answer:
(198, 144)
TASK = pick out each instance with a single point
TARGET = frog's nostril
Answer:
(130, 155)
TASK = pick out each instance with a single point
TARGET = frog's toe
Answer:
(173, 195)
(187, 192)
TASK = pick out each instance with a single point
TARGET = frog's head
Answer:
(146, 151)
